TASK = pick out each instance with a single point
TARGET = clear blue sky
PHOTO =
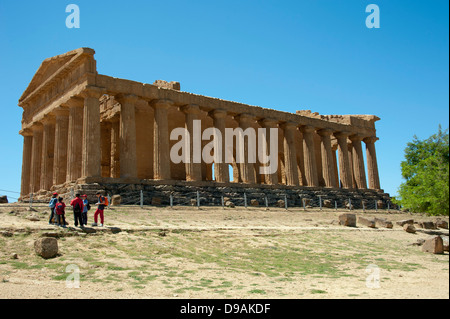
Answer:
(286, 55)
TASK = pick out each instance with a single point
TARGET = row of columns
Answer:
(69, 143)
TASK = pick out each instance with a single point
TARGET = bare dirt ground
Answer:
(216, 253)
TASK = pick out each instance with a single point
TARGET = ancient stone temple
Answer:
(84, 131)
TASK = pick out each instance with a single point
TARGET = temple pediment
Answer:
(55, 68)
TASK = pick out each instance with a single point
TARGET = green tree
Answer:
(426, 171)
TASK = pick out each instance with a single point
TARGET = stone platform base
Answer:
(210, 193)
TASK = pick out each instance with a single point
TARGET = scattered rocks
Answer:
(327, 203)
(406, 221)
(33, 218)
(229, 204)
(46, 247)
(369, 222)
(433, 245)
(409, 228)
(348, 220)
(14, 256)
(254, 203)
(442, 224)
(427, 225)
(383, 222)
(445, 242)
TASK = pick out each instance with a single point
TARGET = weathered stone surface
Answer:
(442, 224)
(409, 228)
(383, 222)
(427, 225)
(46, 247)
(327, 203)
(116, 200)
(281, 203)
(433, 245)
(405, 221)
(369, 222)
(347, 220)
(229, 204)
(254, 202)
(445, 242)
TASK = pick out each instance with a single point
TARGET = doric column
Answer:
(267, 124)
(350, 159)
(48, 152)
(358, 162)
(128, 163)
(345, 172)
(91, 157)
(372, 165)
(335, 165)
(105, 137)
(26, 162)
(61, 138)
(247, 169)
(193, 170)
(162, 161)
(290, 154)
(221, 171)
(115, 147)
(309, 156)
(36, 157)
(75, 139)
(327, 158)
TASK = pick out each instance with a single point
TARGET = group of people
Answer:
(80, 206)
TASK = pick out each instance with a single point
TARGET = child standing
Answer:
(52, 204)
(85, 209)
(100, 208)
(60, 212)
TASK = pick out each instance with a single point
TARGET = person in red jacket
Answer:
(78, 206)
(60, 212)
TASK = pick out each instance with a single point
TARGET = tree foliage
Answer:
(426, 171)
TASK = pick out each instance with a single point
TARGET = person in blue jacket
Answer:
(52, 204)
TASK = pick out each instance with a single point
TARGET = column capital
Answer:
(356, 137)
(49, 119)
(37, 127)
(218, 114)
(74, 101)
(307, 129)
(244, 118)
(268, 123)
(288, 126)
(325, 132)
(60, 111)
(370, 139)
(161, 103)
(190, 109)
(26, 132)
(341, 134)
(92, 92)
(127, 98)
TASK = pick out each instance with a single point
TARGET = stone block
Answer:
(3, 199)
(383, 222)
(348, 220)
(281, 203)
(156, 201)
(433, 245)
(442, 224)
(229, 204)
(405, 221)
(445, 242)
(327, 203)
(254, 202)
(369, 222)
(46, 247)
(409, 228)
(427, 225)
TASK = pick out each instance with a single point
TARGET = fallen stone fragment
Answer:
(46, 247)
(406, 221)
(348, 220)
(433, 245)
(383, 222)
(369, 222)
(409, 228)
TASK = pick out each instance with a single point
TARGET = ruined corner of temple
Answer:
(84, 132)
